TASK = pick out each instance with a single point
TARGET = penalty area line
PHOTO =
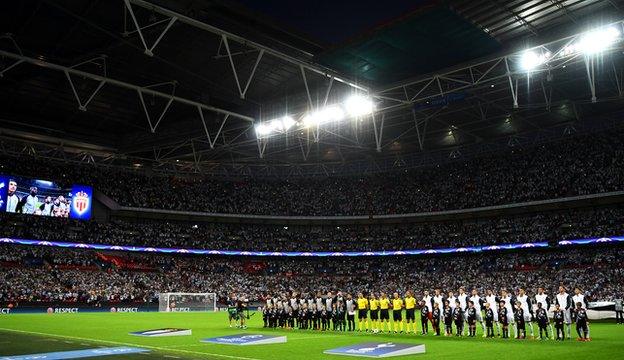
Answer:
(165, 349)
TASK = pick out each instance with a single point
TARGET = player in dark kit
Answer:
(542, 321)
(558, 319)
(241, 309)
(435, 318)
(448, 319)
(265, 316)
(489, 320)
(273, 317)
(582, 327)
(503, 319)
(520, 322)
(424, 317)
(471, 317)
(340, 316)
(458, 318)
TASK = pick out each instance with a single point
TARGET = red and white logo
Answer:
(81, 202)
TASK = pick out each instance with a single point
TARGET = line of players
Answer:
(495, 314)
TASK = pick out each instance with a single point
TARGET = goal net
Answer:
(184, 302)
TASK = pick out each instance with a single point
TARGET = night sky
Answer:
(332, 22)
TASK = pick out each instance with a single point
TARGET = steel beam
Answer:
(486, 71)
(122, 84)
(326, 72)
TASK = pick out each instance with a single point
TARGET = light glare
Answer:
(597, 41)
(358, 105)
(531, 60)
(328, 114)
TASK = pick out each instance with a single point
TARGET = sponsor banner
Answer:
(77, 354)
(81, 308)
(378, 350)
(162, 332)
(123, 309)
(246, 339)
(471, 249)
(63, 310)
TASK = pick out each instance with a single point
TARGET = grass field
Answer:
(34, 333)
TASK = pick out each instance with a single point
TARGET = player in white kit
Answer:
(463, 303)
(438, 298)
(493, 300)
(542, 298)
(580, 298)
(565, 303)
(477, 301)
(451, 299)
(428, 299)
(509, 301)
(527, 308)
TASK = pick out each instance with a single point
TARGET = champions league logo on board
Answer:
(246, 339)
(378, 350)
(162, 332)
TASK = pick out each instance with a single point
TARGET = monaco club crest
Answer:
(81, 202)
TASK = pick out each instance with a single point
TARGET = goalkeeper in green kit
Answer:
(232, 310)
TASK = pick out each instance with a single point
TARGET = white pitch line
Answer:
(131, 344)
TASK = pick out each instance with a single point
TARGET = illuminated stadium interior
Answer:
(277, 158)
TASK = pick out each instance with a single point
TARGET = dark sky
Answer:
(331, 22)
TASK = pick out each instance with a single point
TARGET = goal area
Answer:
(186, 302)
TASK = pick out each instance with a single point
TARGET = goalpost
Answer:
(185, 302)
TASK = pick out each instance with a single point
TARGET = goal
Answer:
(185, 302)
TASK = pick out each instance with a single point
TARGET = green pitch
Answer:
(33, 333)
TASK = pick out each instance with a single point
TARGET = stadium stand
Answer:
(48, 275)
(545, 226)
(580, 165)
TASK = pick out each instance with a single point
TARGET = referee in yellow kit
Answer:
(384, 311)
(373, 305)
(397, 312)
(362, 305)
(410, 311)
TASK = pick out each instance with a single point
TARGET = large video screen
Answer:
(44, 198)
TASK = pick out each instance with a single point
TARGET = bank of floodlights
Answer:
(356, 106)
(591, 43)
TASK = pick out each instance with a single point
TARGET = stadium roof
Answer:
(79, 82)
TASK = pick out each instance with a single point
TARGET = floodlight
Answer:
(263, 129)
(327, 114)
(358, 105)
(332, 113)
(531, 60)
(276, 125)
(287, 122)
(596, 41)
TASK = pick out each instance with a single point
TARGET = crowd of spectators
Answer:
(579, 165)
(599, 272)
(570, 224)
